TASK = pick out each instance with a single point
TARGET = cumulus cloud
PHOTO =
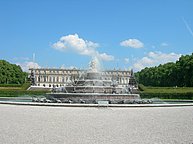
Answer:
(26, 65)
(154, 59)
(80, 46)
(133, 43)
(105, 57)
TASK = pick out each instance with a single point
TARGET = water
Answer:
(16, 99)
(170, 101)
(29, 99)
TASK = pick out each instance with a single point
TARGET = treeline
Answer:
(11, 73)
(179, 73)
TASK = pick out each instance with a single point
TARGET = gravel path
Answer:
(65, 125)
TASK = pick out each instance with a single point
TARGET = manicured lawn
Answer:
(20, 90)
(166, 92)
(168, 89)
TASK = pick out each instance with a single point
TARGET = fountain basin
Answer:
(91, 97)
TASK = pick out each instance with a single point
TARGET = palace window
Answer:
(44, 78)
(39, 79)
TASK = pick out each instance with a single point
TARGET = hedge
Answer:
(10, 85)
(188, 95)
(16, 93)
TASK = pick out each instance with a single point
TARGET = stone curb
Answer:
(95, 105)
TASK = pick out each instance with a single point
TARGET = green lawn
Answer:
(18, 90)
(168, 89)
(146, 92)
(166, 92)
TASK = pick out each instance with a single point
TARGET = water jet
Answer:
(91, 87)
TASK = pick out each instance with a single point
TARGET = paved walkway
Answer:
(73, 125)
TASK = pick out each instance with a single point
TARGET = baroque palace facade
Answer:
(51, 77)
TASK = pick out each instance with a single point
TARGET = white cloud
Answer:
(154, 59)
(133, 43)
(80, 46)
(164, 44)
(26, 65)
(77, 44)
(105, 57)
(126, 60)
(59, 46)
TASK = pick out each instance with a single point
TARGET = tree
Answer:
(11, 73)
(179, 73)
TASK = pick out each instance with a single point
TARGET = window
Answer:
(39, 79)
(44, 78)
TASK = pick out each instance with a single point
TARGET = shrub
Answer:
(188, 95)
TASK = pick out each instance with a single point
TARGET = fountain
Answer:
(91, 87)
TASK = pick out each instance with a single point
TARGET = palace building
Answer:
(52, 77)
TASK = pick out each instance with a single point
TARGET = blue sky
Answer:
(121, 33)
